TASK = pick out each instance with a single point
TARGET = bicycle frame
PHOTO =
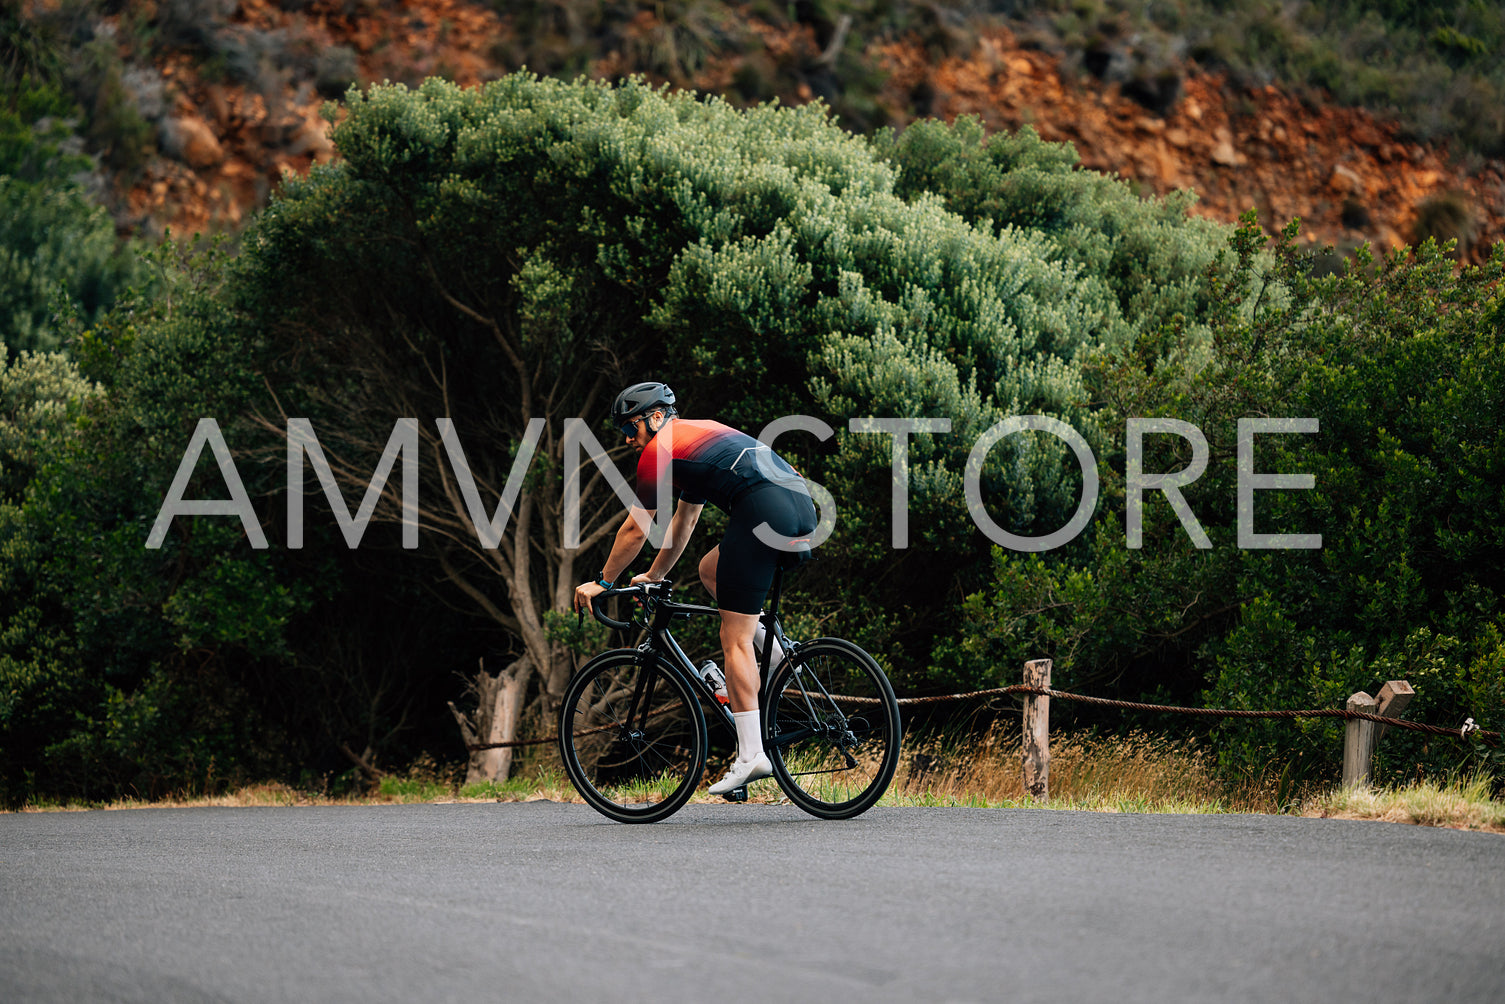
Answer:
(665, 650)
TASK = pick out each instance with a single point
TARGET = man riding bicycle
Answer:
(710, 462)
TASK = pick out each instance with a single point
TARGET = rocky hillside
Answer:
(226, 138)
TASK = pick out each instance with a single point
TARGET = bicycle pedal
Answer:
(736, 794)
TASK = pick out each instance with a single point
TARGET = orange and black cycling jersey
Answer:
(710, 462)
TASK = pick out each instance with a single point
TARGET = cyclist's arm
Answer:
(681, 525)
(629, 541)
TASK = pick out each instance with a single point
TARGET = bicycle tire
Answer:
(832, 728)
(639, 770)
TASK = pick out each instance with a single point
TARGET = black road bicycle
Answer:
(632, 728)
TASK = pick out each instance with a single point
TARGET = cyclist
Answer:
(711, 462)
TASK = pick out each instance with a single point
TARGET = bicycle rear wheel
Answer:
(632, 737)
(831, 727)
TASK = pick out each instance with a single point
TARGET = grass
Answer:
(1135, 773)
(1139, 773)
(1463, 804)
(250, 795)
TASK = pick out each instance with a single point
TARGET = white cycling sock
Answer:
(760, 634)
(749, 734)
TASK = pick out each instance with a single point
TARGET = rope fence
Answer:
(1344, 713)
(1035, 691)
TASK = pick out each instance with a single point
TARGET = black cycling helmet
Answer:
(641, 398)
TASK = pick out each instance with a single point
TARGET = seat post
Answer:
(770, 615)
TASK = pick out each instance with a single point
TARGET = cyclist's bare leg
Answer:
(741, 668)
(741, 665)
(708, 570)
(739, 659)
(752, 762)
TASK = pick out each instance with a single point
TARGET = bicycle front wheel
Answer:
(632, 737)
(831, 727)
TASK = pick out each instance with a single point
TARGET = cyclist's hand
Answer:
(645, 577)
(584, 593)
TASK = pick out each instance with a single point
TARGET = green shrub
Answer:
(760, 259)
(1401, 364)
(1148, 254)
(56, 249)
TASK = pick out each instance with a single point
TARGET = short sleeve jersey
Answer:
(710, 462)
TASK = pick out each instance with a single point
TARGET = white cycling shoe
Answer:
(741, 772)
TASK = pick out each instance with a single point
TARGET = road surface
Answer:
(731, 903)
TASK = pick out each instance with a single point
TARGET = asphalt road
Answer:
(545, 902)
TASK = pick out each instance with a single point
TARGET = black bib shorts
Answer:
(744, 571)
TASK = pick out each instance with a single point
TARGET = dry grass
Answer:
(1140, 772)
(250, 795)
(1135, 773)
(1463, 804)
(391, 791)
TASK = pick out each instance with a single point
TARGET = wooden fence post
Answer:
(1393, 698)
(1358, 741)
(1361, 736)
(1037, 731)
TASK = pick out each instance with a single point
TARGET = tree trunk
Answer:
(499, 707)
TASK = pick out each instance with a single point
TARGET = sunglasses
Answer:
(630, 427)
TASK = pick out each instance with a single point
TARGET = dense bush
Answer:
(131, 671)
(1150, 253)
(110, 673)
(57, 246)
(523, 250)
(1400, 362)
(503, 254)
(520, 251)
